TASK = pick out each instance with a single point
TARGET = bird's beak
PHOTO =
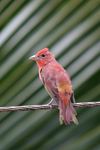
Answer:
(34, 57)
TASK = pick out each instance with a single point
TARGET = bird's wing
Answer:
(56, 81)
(59, 88)
(50, 85)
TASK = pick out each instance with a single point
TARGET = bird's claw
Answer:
(50, 104)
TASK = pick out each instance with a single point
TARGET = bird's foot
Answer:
(50, 104)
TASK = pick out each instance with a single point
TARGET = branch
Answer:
(38, 107)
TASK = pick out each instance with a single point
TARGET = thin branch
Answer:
(47, 107)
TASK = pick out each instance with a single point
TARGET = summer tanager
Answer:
(57, 83)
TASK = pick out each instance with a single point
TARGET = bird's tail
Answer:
(67, 113)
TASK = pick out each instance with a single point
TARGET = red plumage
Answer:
(57, 83)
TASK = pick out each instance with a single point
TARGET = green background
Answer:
(70, 29)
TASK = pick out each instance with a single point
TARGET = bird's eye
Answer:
(43, 55)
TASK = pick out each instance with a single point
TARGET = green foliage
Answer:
(70, 28)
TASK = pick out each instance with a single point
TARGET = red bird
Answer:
(57, 83)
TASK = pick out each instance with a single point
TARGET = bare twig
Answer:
(38, 107)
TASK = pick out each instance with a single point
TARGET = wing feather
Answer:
(52, 89)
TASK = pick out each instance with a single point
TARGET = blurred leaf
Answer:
(71, 30)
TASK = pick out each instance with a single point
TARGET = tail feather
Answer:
(64, 114)
(61, 112)
(62, 109)
(67, 113)
(72, 108)
(75, 119)
(73, 113)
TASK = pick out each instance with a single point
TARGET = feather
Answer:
(57, 83)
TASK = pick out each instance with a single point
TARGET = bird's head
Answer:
(43, 57)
